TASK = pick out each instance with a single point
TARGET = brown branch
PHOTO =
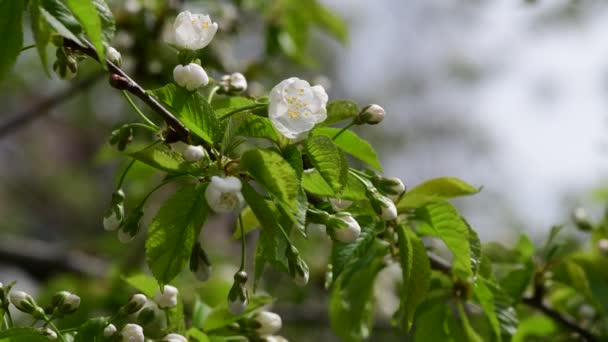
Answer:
(128, 84)
(535, 302)
(20, 119)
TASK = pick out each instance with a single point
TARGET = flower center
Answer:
(295, 99)
(229, 199)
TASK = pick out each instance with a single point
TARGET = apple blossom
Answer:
(296, 107)
(48, 333)
(233, 84)
(167, 298)
(135, 303)
(191, 31)
(224, 194)
(191, 76)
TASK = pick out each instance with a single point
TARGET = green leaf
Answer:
(144, 283)
(485, 298)
(175, 317)
(21, 334)
(273, 172)
(466, 325)
(351, 300)
(444, 187)
(41, 32)
(92, 330)
(327, 158)
(352, 144)
(160, 157)
(221, 316)
(196, 335)
(193, 111)
(430, 321)
(11, 31)
(339, 110)
(173, 232)
(445, 223)
(250, 222)
(108, 25)
(61, 19)
(331, 23)
(257, 127)
(536, 325)
(416, 271)
(86, 13)
(293, 156)
(313, 182)
(224, 105)
(475, 244)
(343, 254)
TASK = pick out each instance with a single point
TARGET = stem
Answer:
(143, 125)
(138, 111)
(47, 320)
(124, 174)
(27, 47)
(9, 319)
(242, 243)
(351, 124)
(242, 109)
(212, 94)
(357, 175)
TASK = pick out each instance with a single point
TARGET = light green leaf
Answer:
(11, 31)
(173, 232)
(416, 271)
(250, 222)
(144, 283)
(313, 182)
(430, 322)
(86, 13)
(535, 325)
(108, 25)
(221, 316)
(160, 157)
(444, 187)
(273, 172)
(327, 158)
(257, 127)
(485, 298)
(193, 111)
(21, 334)
(343, 254)
(352, 144)
(445, 223)
(339, 110)
(41, 32)
(471, 334)
(196, 335)
(61, 19)
(224, 105)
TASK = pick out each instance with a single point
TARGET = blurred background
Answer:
(508, 95)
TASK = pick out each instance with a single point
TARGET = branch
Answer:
(19, 120)
(535, 302)
(128, 84)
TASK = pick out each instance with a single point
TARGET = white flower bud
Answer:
(191, 31)
(194, 153)
(124, 236)
(233, 84)
(113, 217)
(110, 330)
(371, 115)
(301, 279)
(295, 107)
(132, 333)
(273, 338)
(174, 338)
(167, 298)
(114, 56)
(48, 333)
(391, 186)
(191, 76)
(224, 194)
(237, 306)
(135, 303)
(389, 211)
(350, 232)
(269, 322)
(581, 219)
(602, 245)
(22, 301)
(71, 303)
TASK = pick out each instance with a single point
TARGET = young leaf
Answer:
(250, 222)
(328, 160)
(11, 31)
(86, 13)
(162, 158)
(61, 19)
(352, 144)
(343, 254)
(144, 283)
(444, 187)
(221, 316)
(416, 271)
(485, 298)
(174, 230)
(224, 105)
(313, 182)
(274, 173)
(471, 334)
(445, 223)
(41, 32)
(338, 110)
(193, 111)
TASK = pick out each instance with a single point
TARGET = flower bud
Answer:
(65, 302)
(114, 56)
(147, 314)
(581, 219)
(135, 303)
(602, 245)
(371, 114)
(174, 338)
(191, 76)
(340, 204)
(23, 301)
(132, 333)
(199, 263)
(48, 333)
(383, 206)
(233, 84)
(113, 217)
(273, 338)
(344, 227)
(297, 266)
(238, 298)
(194, 153)
(125, 236)
(119, 82)
(390, 186)
(110, 330)
(268, 322)
(167, 298)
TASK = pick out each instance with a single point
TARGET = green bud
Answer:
(135, 303)
(199, 263)
(581, 219)
(390, 186)
(121, 137)
(238, 297)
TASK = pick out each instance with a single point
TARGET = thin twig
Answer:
(535, 302)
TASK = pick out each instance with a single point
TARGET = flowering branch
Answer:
(535, 301)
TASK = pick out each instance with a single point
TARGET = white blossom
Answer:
(233, 83)
(174, 338)
(269, 322)
(194, 153)
(351, 232)
(191, 76)
(167, 298)
(224, 194)
(191, 31)
(132, 333)
(22, 301)
(114, 56)
(110, 330)
(296, 107)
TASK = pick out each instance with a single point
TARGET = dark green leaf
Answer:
(41, 32)
(86, 13)
(21, 334)
(193, 111)
(475, 245)
(352, 144)
(338, 110)
(61, 19)
(173, 232)
(257, 127)
(11, 31)
(485, 298)
(160, 157)
(294, 157)
(92, 331)
(471, 334)
(327, 158)
(221, 316)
